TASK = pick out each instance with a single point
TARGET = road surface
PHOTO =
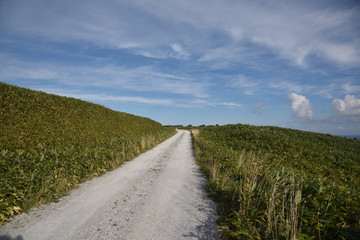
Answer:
(158, 195)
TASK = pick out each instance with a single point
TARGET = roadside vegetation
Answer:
(276, 183)
(49, 144)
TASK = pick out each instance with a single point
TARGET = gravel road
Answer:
(158, 195)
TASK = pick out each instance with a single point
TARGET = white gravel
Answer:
(158, 195)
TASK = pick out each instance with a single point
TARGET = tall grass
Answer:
(261, 194)
(49, 144)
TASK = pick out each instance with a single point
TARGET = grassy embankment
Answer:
(276, 183)
(49, 144)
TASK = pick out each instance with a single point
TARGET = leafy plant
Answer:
(49, 144)
(276, 183)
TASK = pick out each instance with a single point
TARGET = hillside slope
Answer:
(50, 143)
(277, 183)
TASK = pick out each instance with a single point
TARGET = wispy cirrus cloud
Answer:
(231, 104)
(246, 85)
(222, 57)
(108, 98)
(328, 90)
(175, 51)
(190, 54)
(350, 88)
(291, 30)
(139, 79)
(290, 86)
(167, 102)
(180, 52)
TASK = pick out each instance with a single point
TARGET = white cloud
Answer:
(293, 30)
(297, 32)
(349, 107)
(290, 86)
(326, 91)
(300, 106)
(105, 98)
(175, 51)
(243, 82)
(153, 54)
(248, 86)
(139, 79)
(231, 104)
(344, 54)
(179, 51)
(217, 53)
(228, 56)
(349, 88)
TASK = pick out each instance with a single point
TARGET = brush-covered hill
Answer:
(50, 143)
(277, 183)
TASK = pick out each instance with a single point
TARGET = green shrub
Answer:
(276, 183)
(49, 144)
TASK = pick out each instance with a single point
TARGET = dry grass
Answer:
(255, 200)
(195, 132)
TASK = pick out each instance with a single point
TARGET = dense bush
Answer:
(49, 144)
(276, 183)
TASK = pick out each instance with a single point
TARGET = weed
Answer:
(276, 183)
(49, 144)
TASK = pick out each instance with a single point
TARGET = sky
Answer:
(293, 64)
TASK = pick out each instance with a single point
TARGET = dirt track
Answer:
(158, 195)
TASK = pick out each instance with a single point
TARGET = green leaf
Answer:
(298, 197)
(321, 189)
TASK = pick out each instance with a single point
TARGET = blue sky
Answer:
(292, 64)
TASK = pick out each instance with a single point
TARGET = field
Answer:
(276, 183)
(268, 182)
(49, 144)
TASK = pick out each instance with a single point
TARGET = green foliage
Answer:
(49, 144)
(276, 183)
